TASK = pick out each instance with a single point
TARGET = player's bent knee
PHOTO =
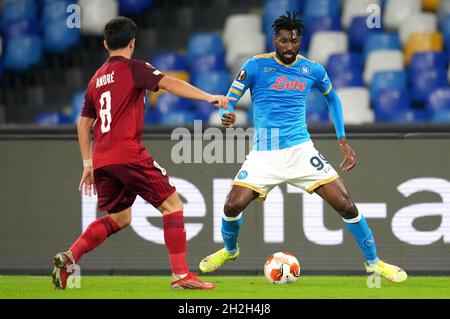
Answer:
(171, 205)
(231, 209)
(348, 209)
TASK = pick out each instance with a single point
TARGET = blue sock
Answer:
(360, 230)
(230, 231)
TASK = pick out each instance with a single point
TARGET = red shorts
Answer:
(119, 184)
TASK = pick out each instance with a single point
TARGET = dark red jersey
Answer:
(115, 98)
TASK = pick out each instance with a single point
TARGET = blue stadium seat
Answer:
(389, 102)
(342, 63)
(275, 8)
(20, 28)
(406, 117)
(133, 7)
(58, 38)
(18, 10)
(320, 8)
(358, 33)
(214, 82)
(439, 100)
(428, 81)
(349, 78)
(169, 61)
(208, 62)
(185, 117)
(445, 29)
(319, 24)
(387, 80)
(424, 61)
(381, 41)
(169, 103)
(54, 10)
(52, 118)
(23, 52)
(77, 105)
(316, 108)
(204, 43)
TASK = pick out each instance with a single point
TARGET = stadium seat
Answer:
(241, 118)
(448, 74)
(341, 62)
(358, 32)
(389, 102)
(20, 28)
(245, 46)
(241, 23)
(430, 5)
(275, 8)
(355, 8)
(381, 41)
(444, 10)
(169, 103)
(445, 29)
(54, 10)
(325, 43)
(422, 42)
(316, 108)
(169, 61)
(439, 100)
(349, 78)
(58, 38)
(208, 62)
(184, 117)
(419, 22)
(133, 7)
(316, 25)
(96, 14)
(18, 10)
(387, 80)
(382, 60)
(411, 116)
(314, 9)
(52, 118)
(77, 106)
(356, 105)
(428, 81)
(204, 43)
(423, 61)
(23, 52)
(396, 11)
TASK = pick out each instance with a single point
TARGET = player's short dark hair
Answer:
(119, 32)
(288, 22)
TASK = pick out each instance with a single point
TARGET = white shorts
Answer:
(300, 165)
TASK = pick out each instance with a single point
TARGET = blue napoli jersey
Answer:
(279, 94)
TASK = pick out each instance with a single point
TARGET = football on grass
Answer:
(282, 268)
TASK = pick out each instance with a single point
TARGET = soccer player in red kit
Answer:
(119, 164)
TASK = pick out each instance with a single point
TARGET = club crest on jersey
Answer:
(242, 174)
(304, 69)
(242, 75)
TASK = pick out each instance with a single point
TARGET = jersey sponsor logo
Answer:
(283, 83)
(305, 70)
(242, 75)
(268, 69)
(242, 174)
(238, 85)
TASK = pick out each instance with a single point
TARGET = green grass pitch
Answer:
(228, 287)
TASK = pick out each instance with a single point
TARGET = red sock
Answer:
(93, 236)
(175, 239)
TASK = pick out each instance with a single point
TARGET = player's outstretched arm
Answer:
(186, 90)
(84, 140)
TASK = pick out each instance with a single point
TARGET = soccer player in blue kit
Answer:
(282, 148)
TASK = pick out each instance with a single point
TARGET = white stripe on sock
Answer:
(231, 219)
(353, 220)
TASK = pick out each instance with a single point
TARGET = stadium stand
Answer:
(397, 71)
